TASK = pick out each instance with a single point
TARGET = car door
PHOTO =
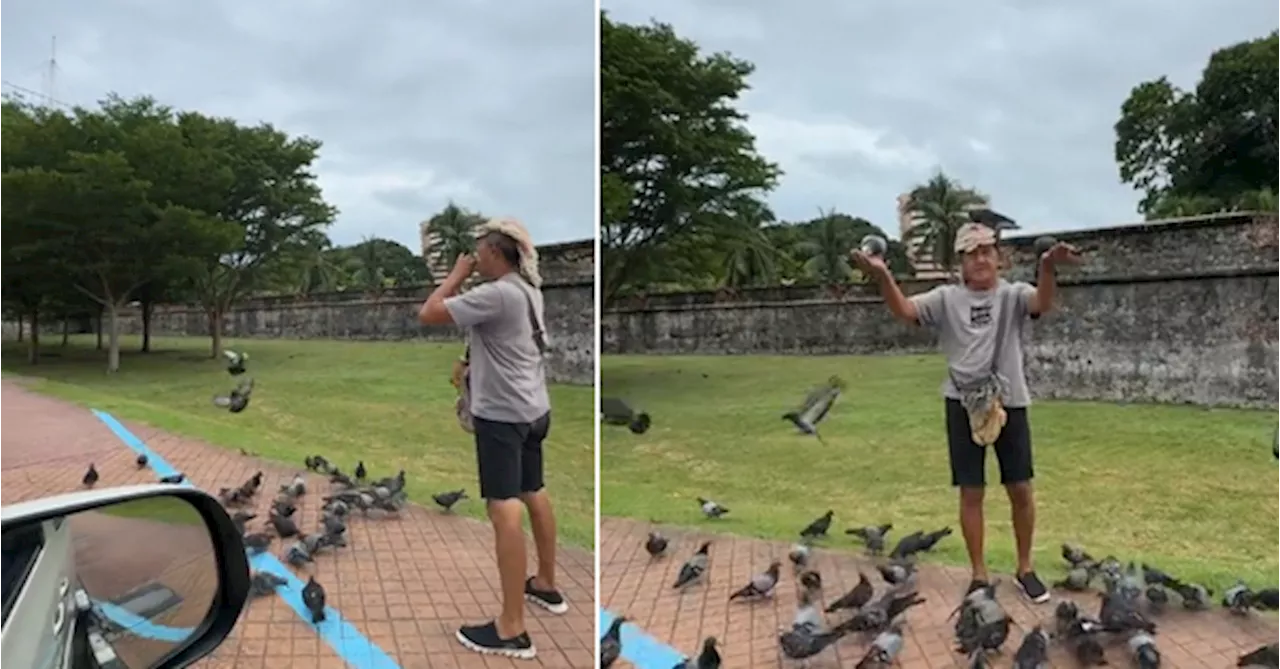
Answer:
(38, 574)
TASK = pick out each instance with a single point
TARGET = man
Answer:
(511, 413)
(979, 325)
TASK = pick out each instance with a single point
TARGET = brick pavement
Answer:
(633, 585)
(405, 583)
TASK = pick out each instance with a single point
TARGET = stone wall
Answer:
(1178, 311)
(568, 293)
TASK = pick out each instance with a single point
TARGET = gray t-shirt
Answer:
(966, 323)
(508, 373)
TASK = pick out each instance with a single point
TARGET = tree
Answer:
(260, 181)
(678, 165)
(453, 232)
(1206, 150)
(940, 206)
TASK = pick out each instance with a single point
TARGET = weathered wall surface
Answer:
(1176, 312)
(568, 293)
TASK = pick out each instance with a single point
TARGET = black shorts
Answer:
(509, 456)
(969, 461)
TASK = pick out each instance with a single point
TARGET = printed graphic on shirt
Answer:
(979, 315)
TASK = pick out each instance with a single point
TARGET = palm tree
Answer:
(371, 271)
(940, 207)
(452, 233)
(826, 249)
(750, 259)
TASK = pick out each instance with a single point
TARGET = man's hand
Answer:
(872, 266)
(464, 265)
(1061, 253)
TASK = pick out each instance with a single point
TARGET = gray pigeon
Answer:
(1145, 653)
(709, 658)
(1238, 599)
(313, 598)
(815, 407)
(238, 399)
(711, 509)
(695, 568)
(883, 651)
(235, 361)
(611, 643)
(262, 583)
(872, 536)
(1033, 652)
(615, 411)
(762, 584)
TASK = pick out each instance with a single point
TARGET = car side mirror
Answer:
(138, 577)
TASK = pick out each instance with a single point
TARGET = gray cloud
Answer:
(858, 101)
(489, 103)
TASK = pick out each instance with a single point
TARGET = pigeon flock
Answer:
(1130, 599)
(348, 494)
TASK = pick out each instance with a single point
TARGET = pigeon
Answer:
(1075, 555)
(811, 580)
(873, 537)
(295, 488)
(761, 585)
(982, 622)
(1238, 599)
(1267, 599)
(1263, 657)
(90, 476)
(614, 411)
(1145, 653)
(313, 598)
(709, 658)
(815, 407)
(897, 572)
(874, 616)
(883, 651)
(1157, 598)
(819, 527)
(1077, 579)
(238, 399)
(1195, 597)
(807, 614)
(1154, 576)
(446, 500)
(361, 472)
(1119, 615)
(1089, 651)
(141, 460)
(695, 568)
(1033, 652)
(802, 642)
(799, 555)
(239, 519)
(173, 479)
(655, 545)
(611, 643)
(235, 361)
(262, 583)
(855, 598)
(333, 525)
(711, 509)
(918, 542)
(1065, 616)
(257, 542)
(284, 527)
(297, 554)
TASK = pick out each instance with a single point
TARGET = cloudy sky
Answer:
(489, 103)
(858, 101)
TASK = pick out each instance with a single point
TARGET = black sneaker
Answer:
(1033, 587)
(975, 585)
(550, 600)
(484, 639)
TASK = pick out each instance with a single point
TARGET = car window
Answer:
(21, 549)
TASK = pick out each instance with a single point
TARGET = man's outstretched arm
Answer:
(1043, 300)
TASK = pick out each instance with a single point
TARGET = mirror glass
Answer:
(122, 585)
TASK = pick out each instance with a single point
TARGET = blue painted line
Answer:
(141, 627)
(343, 637)
(640, 649)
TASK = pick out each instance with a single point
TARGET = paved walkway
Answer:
(405, 584)
(633, 585)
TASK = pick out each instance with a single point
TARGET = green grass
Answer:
(1188, 488)
(388, 403)
(163, 509)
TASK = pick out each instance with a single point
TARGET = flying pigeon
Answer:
(615, 411)
(238, 399)
(816, 407)
(235, 361)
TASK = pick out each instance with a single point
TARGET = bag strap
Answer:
(535, 323)
(1003, 300)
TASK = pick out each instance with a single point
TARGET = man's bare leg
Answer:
(973, 527)
(1022, 502)
(543, 520)
(509, 544)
